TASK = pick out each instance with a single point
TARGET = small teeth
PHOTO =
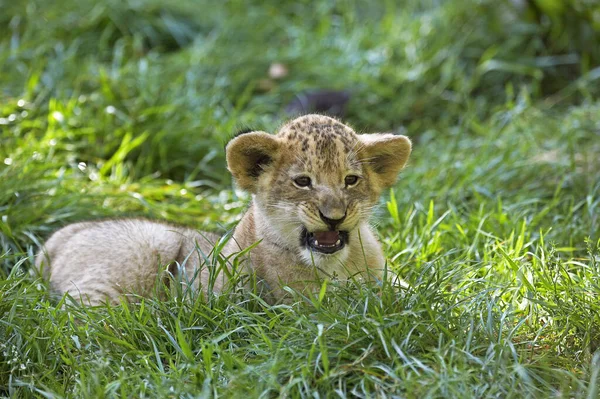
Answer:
(337, 243)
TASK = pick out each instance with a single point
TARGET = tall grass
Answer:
(121, 108)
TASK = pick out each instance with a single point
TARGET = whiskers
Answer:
(280, 206)
(358, 214)
(284, 227)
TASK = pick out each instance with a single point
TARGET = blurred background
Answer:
(186, 74)
(123, 106)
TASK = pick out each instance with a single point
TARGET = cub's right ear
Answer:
(248, 155)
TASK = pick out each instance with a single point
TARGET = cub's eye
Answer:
(302, 181)
(351, 180)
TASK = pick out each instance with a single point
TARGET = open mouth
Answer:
(327, 242)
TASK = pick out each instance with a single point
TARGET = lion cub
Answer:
(313, 187)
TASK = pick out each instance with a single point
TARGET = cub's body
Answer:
(313, 187)
(96, 261)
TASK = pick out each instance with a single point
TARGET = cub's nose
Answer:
(332, 223)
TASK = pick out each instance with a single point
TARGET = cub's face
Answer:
(316, 181)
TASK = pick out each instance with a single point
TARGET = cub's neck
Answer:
(256, 226)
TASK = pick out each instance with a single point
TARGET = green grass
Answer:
(122, 108)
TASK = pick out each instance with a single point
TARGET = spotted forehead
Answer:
(320, 142)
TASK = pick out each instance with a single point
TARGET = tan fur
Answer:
(99, 261)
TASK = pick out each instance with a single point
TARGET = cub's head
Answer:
(315, 182)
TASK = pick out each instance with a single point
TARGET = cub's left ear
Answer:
(386, 154)
(248, 155)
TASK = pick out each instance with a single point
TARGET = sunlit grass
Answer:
(121, 108)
